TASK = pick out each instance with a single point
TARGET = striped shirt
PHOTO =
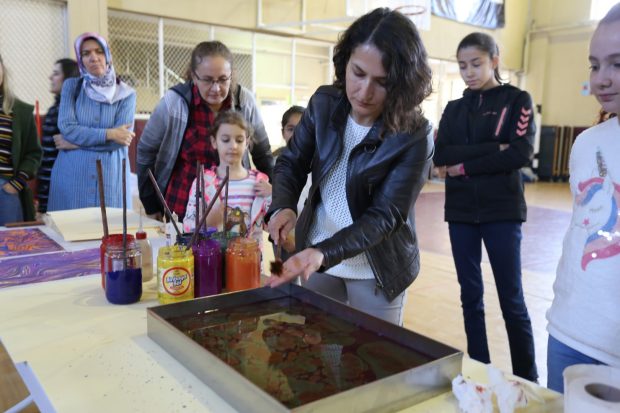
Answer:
(245, 209)
(6, 141)
(17, 180)
(50, 128)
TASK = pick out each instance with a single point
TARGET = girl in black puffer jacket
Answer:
(484, 138)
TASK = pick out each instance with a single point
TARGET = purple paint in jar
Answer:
(123, 283)
(207, 268)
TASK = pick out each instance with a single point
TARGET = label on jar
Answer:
(176, 281)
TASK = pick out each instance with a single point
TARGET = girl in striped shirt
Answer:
(249, 192)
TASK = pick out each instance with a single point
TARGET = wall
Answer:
(544, 40)
(243, 14)
(557, 61)
(444, 36)
(86, 16)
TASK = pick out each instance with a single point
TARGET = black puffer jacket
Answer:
(470, 132)
(384, 178)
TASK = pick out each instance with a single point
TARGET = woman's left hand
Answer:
(263, 188)
(62, 144)
(304, 263)
(455, 170)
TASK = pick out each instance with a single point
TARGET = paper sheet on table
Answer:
(85, 224)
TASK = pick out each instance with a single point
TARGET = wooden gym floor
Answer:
(433, 306)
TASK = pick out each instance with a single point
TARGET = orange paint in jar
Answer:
(242, 264)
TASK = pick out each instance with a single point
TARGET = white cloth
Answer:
(333, 213)
(585, 313)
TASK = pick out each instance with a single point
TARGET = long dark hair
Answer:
(404, 59)
(69, 68)
(290, 112)
(485, 44)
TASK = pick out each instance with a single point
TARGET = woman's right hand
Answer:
(304, 264)
(281, 224)
(121, 135)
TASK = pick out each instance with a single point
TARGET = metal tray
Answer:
(290, 349)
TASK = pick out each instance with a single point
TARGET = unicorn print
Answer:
(597, 212)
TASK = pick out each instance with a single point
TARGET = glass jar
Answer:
(123, 272)
(207, 268)
(223, 238)
(242, 264)
(111, 239)
(175, 274)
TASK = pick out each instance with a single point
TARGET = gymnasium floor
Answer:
(433, 306)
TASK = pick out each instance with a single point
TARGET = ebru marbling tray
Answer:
(293, 350)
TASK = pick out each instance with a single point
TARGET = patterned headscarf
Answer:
(107, 88)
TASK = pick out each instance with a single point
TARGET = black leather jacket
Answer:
(384, 177)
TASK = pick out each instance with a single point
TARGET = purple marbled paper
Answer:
(48, 267)
(25, 241)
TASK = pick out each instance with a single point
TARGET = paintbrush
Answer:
(104, 216)
(198, 189)
(124, 179)
(163, 202)
(226, 199)
(277, 266)
(209, 207)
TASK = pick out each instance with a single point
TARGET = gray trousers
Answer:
(359, 294)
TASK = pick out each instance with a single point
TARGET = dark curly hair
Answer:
(293, 110)
(408, 80)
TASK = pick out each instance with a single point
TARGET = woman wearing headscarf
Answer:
(96, 122)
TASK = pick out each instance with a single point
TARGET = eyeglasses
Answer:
(209, 82)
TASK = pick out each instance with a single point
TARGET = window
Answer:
(599, 8)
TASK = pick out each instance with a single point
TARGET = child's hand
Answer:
(263, 188)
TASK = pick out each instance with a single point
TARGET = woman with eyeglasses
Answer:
(177, 133)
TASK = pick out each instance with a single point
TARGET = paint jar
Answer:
(242, 264)
(111, 239)
(207, 268)
(123, 272)
(175, 274)
(223, 238)
(147, 256)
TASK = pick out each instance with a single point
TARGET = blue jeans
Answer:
(559, 357)
(503, 244)
(10, 205)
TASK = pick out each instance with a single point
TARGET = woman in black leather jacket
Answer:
(368, 148)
